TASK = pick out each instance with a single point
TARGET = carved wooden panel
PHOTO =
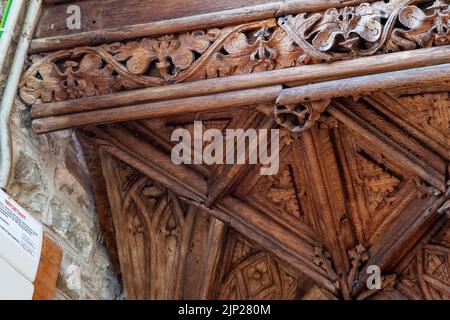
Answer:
(167, 248)
(306, 38)
(378, 189)
(284, 196)
(250, 273)
(427, 276)
(356, 189)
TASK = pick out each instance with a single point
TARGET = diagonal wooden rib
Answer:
(231, 174)
(327, 194)
(401, 237)
(293, 247)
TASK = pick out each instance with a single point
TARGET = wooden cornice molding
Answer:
(291, 77)
(314, 38)
(158, 109)
(188, 23)
(294, 108)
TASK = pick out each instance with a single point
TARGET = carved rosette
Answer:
(299, 117)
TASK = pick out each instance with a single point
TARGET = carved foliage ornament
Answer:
(358, 258)
(367, 29)
(306, 38)
(88, 71)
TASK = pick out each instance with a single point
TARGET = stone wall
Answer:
(50, 179)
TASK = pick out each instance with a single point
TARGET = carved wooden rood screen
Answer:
(360, 93)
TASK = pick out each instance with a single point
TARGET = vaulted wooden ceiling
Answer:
(360, 93)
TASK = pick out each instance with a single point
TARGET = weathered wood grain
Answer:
(164, 108)
(364, 85)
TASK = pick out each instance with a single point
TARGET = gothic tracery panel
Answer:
(250, 273)
(428, 273)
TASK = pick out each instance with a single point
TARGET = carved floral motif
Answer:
(369, 28)
(283, 193)
(427, 27)
(377, 182)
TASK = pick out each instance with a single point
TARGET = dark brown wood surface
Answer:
(108, 14)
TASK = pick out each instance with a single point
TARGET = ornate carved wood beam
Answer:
(395, 25)
(293, 247)
(295, 76)
(196, 22)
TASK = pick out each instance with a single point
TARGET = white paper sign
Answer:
(20, 237)
(13, 285)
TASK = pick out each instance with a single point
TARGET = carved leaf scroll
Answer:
(369, 28)
(251, 47)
